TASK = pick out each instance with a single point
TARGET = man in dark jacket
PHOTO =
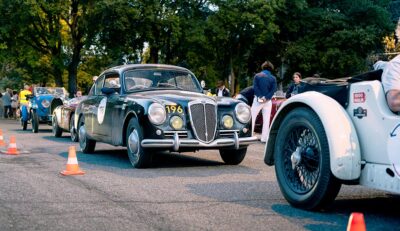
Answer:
(264, 88)
(294, 87)
(221, 90)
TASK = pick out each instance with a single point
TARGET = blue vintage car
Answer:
(41, 105)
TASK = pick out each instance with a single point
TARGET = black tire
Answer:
(57, 131)
(138, 156)
(74, 134)
(35, 122)
(233, 156)
(86, 144)
(302, 161)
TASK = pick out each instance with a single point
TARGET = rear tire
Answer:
(56, 129)
(138, 156)
(302, 161)
(35, 122)
(87, 145)
(233, 156)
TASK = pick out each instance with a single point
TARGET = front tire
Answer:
(56, 129)
(302, 161)
(86, 144)
(138, 156)
(233, 156)
(35, 122)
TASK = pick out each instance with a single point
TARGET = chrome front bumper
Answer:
(176, 143)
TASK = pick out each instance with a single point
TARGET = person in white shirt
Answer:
(391, 83)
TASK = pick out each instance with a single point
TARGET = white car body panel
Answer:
(380, 150)
(365, 134)
(375, 128)
(343, 142)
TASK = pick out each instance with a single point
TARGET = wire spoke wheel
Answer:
(302, 161)
(302, 173)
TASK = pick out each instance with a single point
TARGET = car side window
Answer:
(99, 85)
(112, 81)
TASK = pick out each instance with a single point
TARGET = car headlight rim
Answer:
(243, 112)
(227, 122)
(176, 122)
(157, 114)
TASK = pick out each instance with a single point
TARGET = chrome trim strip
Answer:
(177, 143)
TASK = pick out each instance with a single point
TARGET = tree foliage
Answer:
(66, 42)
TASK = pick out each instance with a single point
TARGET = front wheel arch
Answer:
(343, 140)
(128, 118)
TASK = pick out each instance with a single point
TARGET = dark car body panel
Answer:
(106, 116)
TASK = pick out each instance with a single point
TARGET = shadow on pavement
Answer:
(164, 164)
(62, 139)
(379, 209)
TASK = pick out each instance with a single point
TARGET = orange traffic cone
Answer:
(12, 147)
(2, 143)
(356, 222)
(72, 164)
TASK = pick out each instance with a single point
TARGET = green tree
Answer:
(333, 38)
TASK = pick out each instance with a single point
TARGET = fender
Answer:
(344, 148)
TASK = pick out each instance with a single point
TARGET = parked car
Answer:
(41, 104)
(335, 132)
(277, 100)
(63, 118)
(161, 107)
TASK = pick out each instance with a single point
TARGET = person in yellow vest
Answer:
(22, 95)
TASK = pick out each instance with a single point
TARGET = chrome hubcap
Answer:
(133, 143)
(295, 158)
(82, 136)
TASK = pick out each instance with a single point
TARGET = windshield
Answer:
(137, 80)
(59, 91)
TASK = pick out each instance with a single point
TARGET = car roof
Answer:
(123, 68)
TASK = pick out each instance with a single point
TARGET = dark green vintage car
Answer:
(151, 107)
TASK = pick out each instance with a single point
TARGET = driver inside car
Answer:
(391, 83)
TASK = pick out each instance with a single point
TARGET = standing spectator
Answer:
(264, 88)
(7, 103)
(22, 95)
(391, 83)
(1, 105)
(221, 90)
(14, 103)
(294, 87)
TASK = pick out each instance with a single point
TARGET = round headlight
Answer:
(157, 114)
(45, 103)
(243, 113)
(227, 121)
(176, 122)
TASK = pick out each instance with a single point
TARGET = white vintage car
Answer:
(335, 132)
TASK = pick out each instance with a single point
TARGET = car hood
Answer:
(181, 97)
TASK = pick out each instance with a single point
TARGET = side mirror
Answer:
(108, 91)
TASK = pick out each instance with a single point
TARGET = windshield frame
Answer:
(176, 72)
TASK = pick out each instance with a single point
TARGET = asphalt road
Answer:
(195, 191)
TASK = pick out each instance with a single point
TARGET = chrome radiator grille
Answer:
(203, 117)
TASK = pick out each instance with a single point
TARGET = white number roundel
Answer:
(101, 111)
